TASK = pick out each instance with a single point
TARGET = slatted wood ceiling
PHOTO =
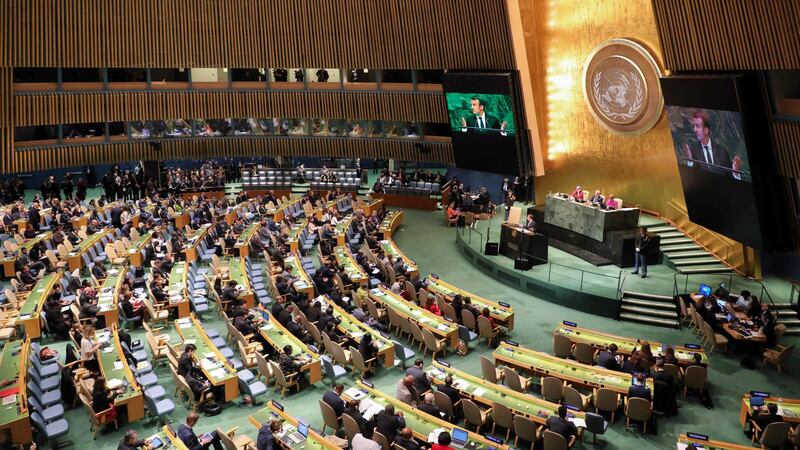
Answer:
(711, 35)
(373, 34)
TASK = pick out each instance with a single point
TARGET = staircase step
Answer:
(650, 320)
(785, 312)
(671, 234)
(790, 322)
(685, 254)
(649, 304)
(649, 311)
(679, 247)
(676, 240)
(646, 296)
(792, 331)
(695, 261)
(782, 306)
(660, 229)
(707, 269)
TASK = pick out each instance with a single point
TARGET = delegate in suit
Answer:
(710, 155)
(479, 121)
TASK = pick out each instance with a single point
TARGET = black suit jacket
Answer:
(388, 424)
(720, 155)
(34, 218)
(334, 401)
(408, 444)
(492, 124)
(640, 392)
(430, 409)
(451, 392)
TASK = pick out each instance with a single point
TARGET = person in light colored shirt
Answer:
(744, 301)
(363, 441)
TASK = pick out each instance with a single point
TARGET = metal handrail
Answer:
(731, 277)
(583, 272)
(471, 230)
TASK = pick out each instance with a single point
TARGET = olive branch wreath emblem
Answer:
(603, 107)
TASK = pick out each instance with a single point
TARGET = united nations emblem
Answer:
(621, 87)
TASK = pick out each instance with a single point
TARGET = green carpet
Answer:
(424, 238)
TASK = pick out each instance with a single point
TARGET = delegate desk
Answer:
(216, 368)
(500, 312)
(788, 408)
(438, 325)
(345, 259)
(702, 442)
(422, 424)
(115, 369)
(600, 341)
(168, 438)
(543, 364)
(135, 250)
(243, 241)
(178, 297)
(233, 214)
(373, 205)
(390, 223)
(9, 262)
(588, 220)
(108, 294)
(741, 329)
(392, 252)
(517, 242)
(340, 231)
(286, 208)
(293, 239)
(14, 414)
(355, 330)
(182, 218)
(293, 267)
(238, 273)
(30, 315)
(314, 441)
(485, 393)
(190, 247)
(279, 337)
(75, 257)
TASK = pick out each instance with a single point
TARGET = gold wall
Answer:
(560, 34)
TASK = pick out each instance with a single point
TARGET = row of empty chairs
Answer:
(427, 190)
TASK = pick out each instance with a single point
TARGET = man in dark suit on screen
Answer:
(710, 155)
(479, 121)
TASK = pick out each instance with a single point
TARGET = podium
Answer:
(516, 242)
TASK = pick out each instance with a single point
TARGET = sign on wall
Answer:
(621, 87)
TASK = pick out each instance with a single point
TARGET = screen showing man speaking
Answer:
(710, 137)
(480, 113)
(480, 108)
(710, 140)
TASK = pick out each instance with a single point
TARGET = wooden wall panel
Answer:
(436, 34)
(50, 109)
(711, 35)
(107, 153)
(786, 135)
(373, 34)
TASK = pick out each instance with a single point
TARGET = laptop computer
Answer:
(705, 289)
(459, 438)
(756, 401)
(301, 434)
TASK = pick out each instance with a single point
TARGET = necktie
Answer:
(480, 122)
(707, 150)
